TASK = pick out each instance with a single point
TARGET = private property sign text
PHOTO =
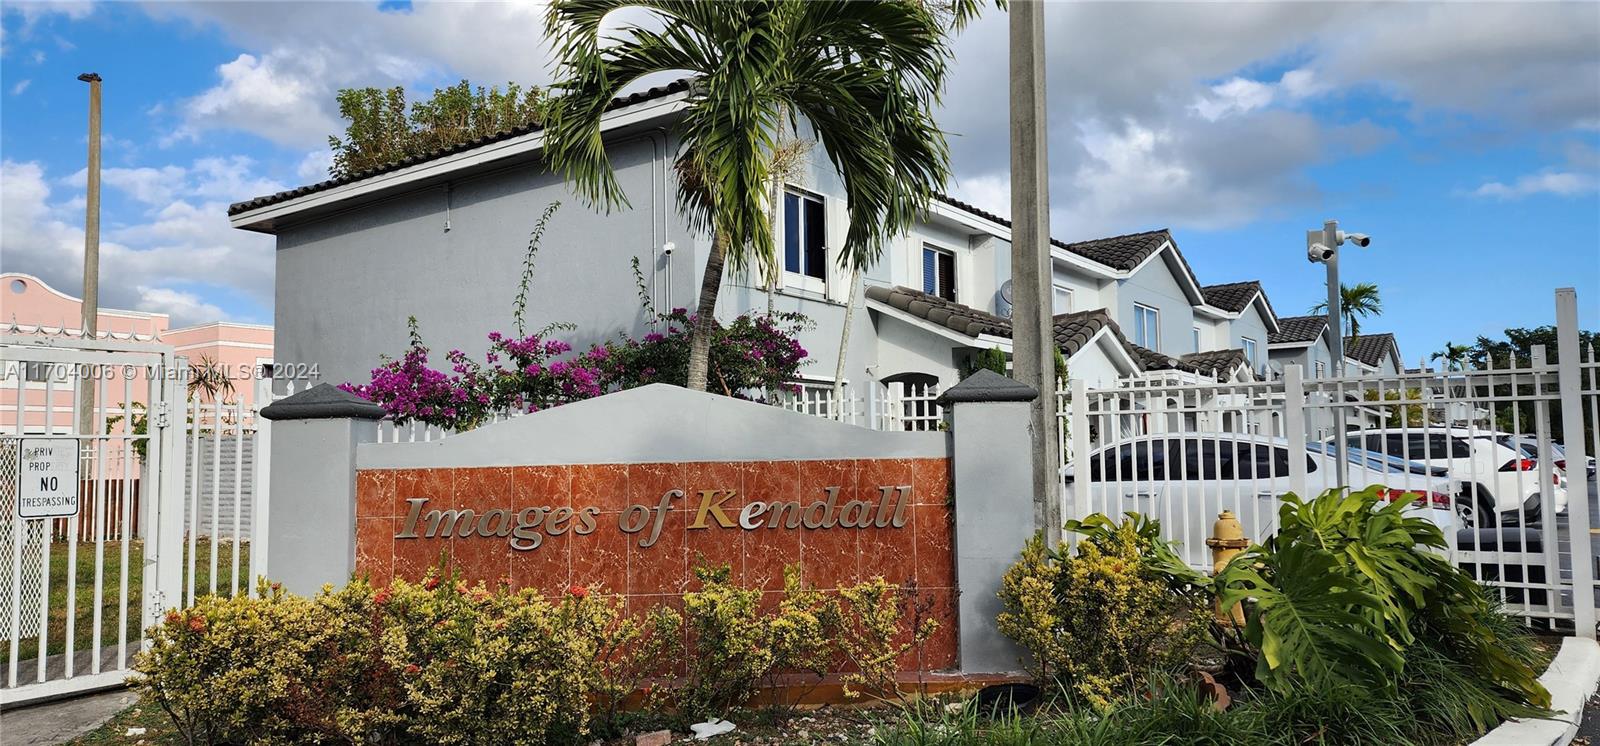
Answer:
(526, 529)
(47, 478)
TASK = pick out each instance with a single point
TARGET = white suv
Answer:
(1498, 482)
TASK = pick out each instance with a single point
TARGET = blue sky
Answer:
(1465, 138)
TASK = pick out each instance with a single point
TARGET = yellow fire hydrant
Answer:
(1227, 541)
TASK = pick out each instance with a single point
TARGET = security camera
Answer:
(1359, 239)
(1316, 253)
(667, 248)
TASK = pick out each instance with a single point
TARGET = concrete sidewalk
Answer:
(63, 720)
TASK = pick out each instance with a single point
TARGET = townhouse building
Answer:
(442, 237)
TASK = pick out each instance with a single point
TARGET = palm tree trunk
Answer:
(705, 312)
(844, 344)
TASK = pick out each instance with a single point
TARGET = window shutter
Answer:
(930, 280)
(816, 237)
(791, 232)
(947, 275)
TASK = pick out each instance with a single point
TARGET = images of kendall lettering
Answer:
(525, 529)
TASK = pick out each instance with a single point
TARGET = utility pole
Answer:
(91, 251)
(1033, 340)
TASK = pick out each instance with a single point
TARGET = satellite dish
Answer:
(1005, 292)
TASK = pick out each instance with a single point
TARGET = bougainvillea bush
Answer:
(751, 357)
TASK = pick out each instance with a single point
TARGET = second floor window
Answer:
(1249, 350)
(938, 273)
(1061, 299)
(1146, 326)
(1322, 369)
(1196, 339)
(804, 231)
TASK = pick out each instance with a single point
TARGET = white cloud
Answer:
(150, 186)
(1185, 131)
(314, 167)
(276, 96)
(22, 85)
(184, 240)
(1557, 183)
(302, 53)
(1237, 96)
(177, 304)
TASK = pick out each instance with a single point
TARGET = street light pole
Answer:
(91, 250)
(1033, 353)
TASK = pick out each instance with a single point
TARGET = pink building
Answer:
(29, 306)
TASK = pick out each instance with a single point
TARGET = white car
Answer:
(1186, 479)
(1500, 483)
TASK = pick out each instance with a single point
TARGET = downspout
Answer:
(658, 219)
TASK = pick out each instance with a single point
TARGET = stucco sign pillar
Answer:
(994, 508)
(313, 517)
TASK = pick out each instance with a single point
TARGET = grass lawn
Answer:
(111, 593)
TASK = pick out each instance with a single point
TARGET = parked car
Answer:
(1186, 479)
(1500, 482)
(1530, 445)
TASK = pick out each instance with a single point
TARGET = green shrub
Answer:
(734, 646)
(1350, 586)
(729, 649)
(435, 662)
(444, 662)
(875, 635)
(1097, 620)
(226, 670)
(482, 667)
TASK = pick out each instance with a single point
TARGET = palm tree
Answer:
(1453, 355)
(1356, 302)
(864, 75)
(209, 379)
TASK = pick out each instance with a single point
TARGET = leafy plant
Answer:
(875, 636)
(1350, 586)
(379, 130)
(990, 359)
(521, 305)
(1097, 619)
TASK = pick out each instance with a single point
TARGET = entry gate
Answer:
(75, 600)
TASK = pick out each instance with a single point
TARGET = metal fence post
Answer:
(1294, 426)
(169, 493)
(261, 486)
(1569, 378)
(1078, 429)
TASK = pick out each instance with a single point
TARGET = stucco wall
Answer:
(347, 283)
(1250, 324)
(1154, 285)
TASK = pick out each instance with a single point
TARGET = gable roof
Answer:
(1231, 296)
(1124, 253)
(676, 86)
(1236, 297)
(1369, 349)
(1298, 330)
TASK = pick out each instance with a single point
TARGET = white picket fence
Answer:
(1483, 448)
(896, 405)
